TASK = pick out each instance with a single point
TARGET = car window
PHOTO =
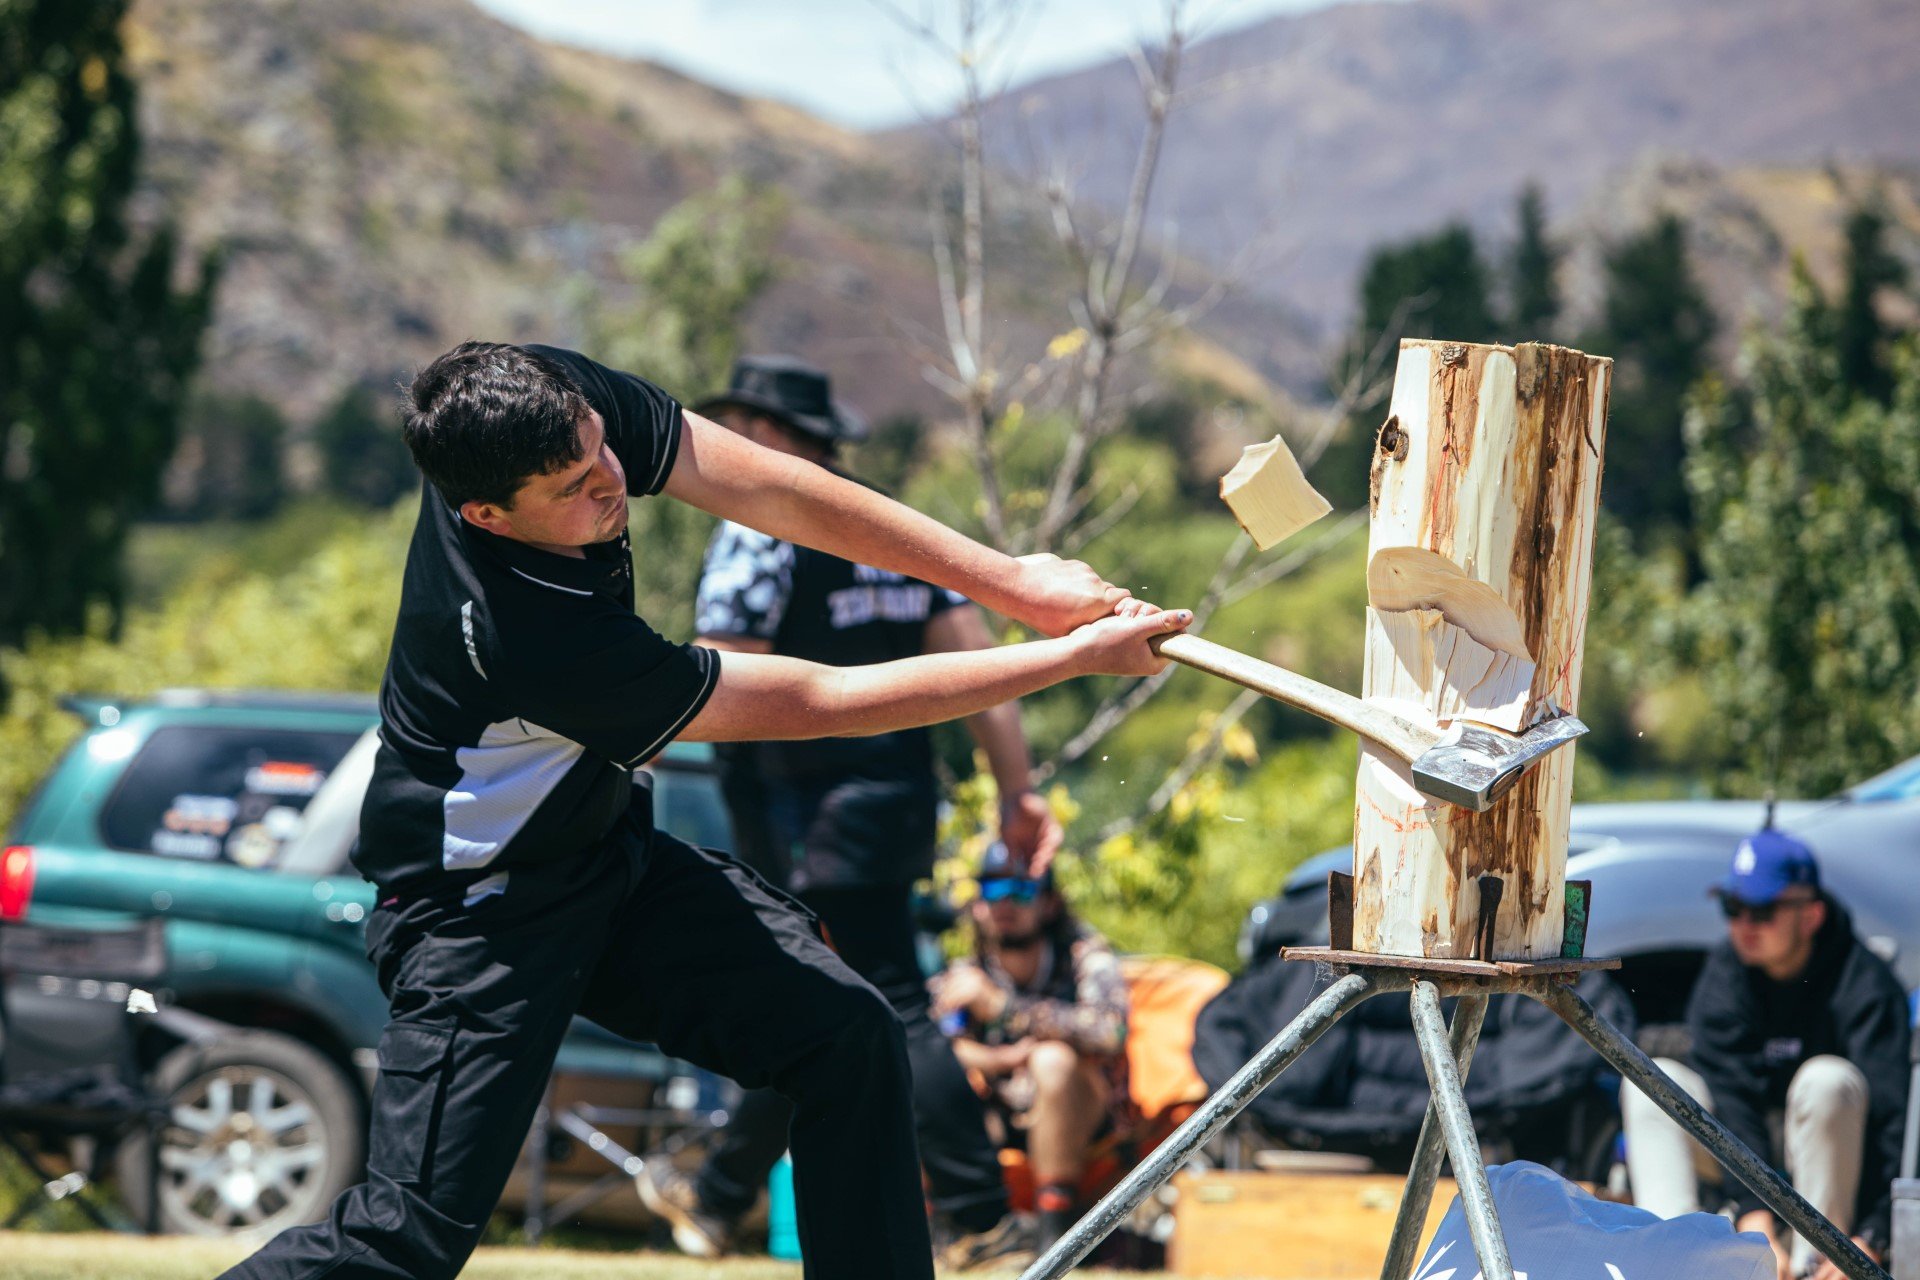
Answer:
(219, 792)
(1902, 782)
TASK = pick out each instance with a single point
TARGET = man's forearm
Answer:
(798, 501)
(762, 696)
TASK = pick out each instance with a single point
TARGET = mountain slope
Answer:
(1362, 122)
(391, 179)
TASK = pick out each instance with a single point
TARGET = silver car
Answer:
(1652, 865)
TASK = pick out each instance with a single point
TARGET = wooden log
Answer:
(1486, 475)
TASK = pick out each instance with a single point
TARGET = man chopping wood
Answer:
(521, 880)
(847, 825)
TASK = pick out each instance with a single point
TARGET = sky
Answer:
(854, 61)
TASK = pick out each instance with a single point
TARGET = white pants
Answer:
(1823, 1131)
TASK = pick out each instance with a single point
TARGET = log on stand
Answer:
(1485, 482)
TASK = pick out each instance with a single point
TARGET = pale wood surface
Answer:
(1269, 495)
(1490, 463)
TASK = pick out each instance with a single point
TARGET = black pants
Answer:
(671, 945)
(873, 932)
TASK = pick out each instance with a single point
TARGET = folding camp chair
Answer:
(73, 1005)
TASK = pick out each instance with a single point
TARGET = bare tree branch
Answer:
(1109, 275)
(1268, 574)
(1083, 534)
(1197, 758)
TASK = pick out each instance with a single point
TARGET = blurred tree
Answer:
(96, 344)
(230, 465)
(693, 278)
(1657, 326)
(1432, 286)
(362, 455)
(1863, 335)
(1533, 266)
(1806, 628)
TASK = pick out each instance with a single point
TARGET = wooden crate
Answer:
(1261, 1225)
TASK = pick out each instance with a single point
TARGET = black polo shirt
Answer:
(830, 812)
(522, 690)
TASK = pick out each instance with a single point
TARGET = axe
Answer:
(1466, 764)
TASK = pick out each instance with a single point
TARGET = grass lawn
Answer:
(97, 1256)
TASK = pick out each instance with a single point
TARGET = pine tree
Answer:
(1806, 626)
(96, 344)
(1533, 268)
(362, 455)
(1870, 268)
(1658, 327)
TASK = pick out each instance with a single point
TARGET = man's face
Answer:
(583, 502)
(1777, 935)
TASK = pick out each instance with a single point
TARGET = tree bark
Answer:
(1490, 460)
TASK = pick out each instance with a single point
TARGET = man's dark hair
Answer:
(486, 416)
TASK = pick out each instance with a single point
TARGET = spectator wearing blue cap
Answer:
(1040, 1014)
(1799, 1046)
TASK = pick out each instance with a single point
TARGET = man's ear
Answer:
(486, 515)
(1817, 914)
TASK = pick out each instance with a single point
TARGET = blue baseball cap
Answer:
(1766, 865)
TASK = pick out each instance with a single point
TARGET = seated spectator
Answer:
(1040, 1013)
(1799, 1048)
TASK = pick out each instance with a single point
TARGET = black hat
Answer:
(790, 391)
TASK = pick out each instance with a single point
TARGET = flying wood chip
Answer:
(1269, 495)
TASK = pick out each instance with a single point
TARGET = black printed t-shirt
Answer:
(522, 690)
(829, 812)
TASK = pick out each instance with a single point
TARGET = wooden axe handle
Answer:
(1402, 737)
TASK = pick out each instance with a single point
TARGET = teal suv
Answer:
(229, 816)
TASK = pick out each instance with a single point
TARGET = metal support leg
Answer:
(1463, 1038)
(1464, 1148)
(1778, 1194)
(1232, 1097)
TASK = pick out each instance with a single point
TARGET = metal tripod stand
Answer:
(1448, 1055)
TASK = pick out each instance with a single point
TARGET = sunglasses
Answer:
(1759, 913)
(1009, 889)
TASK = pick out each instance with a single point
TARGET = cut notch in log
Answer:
(1416, 578)
(1269, 495)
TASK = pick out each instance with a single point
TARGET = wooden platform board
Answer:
(1289, 1226)
(1452, 968)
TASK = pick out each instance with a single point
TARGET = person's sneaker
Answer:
(1007, 1245)
(670, 1194)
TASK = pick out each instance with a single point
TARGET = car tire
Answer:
(263, 1132)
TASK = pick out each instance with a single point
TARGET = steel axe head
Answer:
(1473, 765)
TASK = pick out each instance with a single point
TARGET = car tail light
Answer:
(16, 881)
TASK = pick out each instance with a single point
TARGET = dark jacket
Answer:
(826, 813)
(1750, 1034)
(1362, 1087)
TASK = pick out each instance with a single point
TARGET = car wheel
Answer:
(262, 1133)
